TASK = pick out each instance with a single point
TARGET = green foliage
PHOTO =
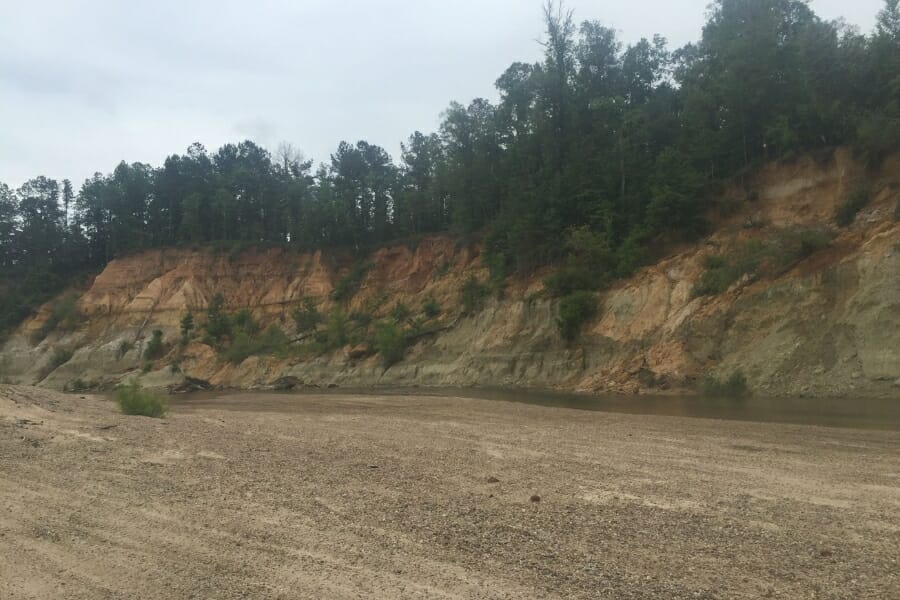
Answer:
(243, 322)
(155, 348)
(307, 317)
(134, 400)
(733, 387)
(722, 271)
(792, 245)
(390, 342)
(218, 325)
(336, 334)
(431, 308)
(187, 328)
(272, 341)
(146, 367)
(348, 285)
(591, 160)
(852, 204)
(79, 385)
(400, 312)
(124, 348)
(59, 357)
(64, 316)
(360, 318)
(576, 309)
(472, 296)
(855, 202)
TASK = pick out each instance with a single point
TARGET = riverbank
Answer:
(332, 496)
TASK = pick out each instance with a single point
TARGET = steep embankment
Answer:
(826, 323)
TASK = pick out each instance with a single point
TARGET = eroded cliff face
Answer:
(829, 325)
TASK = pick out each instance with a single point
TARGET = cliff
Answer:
(827, 324)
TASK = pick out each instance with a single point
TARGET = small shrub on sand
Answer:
(134, 400)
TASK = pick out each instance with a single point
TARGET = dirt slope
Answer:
(826, 326)
(388, 497)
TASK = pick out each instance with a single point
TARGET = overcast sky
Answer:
(87, 83)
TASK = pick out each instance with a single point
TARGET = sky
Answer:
(85, 84)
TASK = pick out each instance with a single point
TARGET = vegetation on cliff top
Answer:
(620, 144)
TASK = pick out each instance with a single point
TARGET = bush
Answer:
(721, 271)
(155, 347)
(575, 310)
(349, 284)
(360, 318)
(307, 318)
(243, 321)
(431, 308)
(64, 315)
(400, 312)
(855, 202)
(133, 400)
(272, 341)
(733, 387)
(390, 342)
(472, 296)
(59, 357)
(124, 348)
(218, 325)
(187, 327)
(793, 245)
(336, 335)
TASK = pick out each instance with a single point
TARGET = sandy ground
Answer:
(414, 497)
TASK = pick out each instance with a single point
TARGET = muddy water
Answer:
(858, 413)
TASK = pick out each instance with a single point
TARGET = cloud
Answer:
(86, 84)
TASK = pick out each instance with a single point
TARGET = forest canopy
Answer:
(589, 156)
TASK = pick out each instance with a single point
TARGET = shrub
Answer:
(733, 387)
(722, 271)
(569, 278)
(575, 310)
(793, 245)
(897, 212)
(64, 315)
(360, 318)
(146, 367)
(336, 335)
(473, 295)
(124, 348)
(79, 385)
(400, 312)
(431, 308)
(307, 317)
(133, 400)
(155, 348)
(348, 285)
(855, 202)
(59, 357)
(187, 327)
(390, 342)
(717, 277)
(240, 348)
(272, 341)
(218, 325)
(244, 321)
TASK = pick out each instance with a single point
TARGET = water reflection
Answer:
(863, 413)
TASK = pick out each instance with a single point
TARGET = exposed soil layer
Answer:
(414, 497)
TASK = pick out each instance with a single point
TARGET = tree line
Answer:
(589, 157)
